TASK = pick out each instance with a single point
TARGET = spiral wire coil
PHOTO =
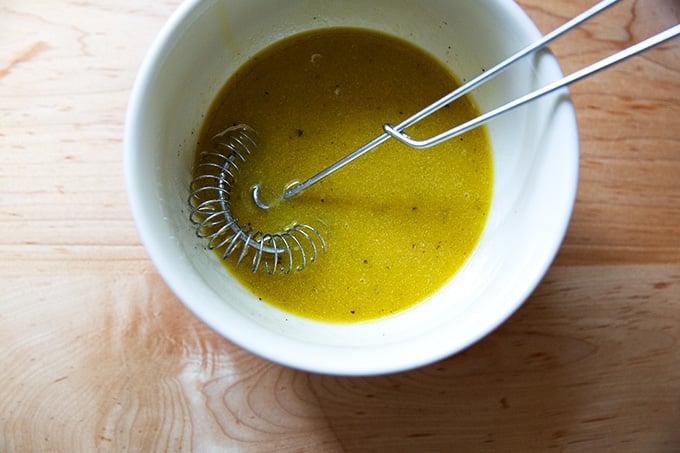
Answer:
(214, 178)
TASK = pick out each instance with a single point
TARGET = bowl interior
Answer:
(535, 172)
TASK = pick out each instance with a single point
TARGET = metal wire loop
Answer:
(215, 175)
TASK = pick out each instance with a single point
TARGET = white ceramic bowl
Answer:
(535, 162)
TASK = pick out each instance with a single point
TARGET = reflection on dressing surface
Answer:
(398, 222)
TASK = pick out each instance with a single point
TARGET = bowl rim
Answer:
(249, 335)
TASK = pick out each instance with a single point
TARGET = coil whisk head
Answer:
(215, 176)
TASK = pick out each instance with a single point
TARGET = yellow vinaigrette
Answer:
(398, 222)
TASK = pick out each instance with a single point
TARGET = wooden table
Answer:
(97, 353)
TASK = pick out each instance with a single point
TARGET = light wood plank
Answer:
(97, 353)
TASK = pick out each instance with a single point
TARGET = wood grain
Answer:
(96, 354)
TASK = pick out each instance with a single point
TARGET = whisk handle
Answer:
(394, 131)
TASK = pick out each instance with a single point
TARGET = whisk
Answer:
(300, 244)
